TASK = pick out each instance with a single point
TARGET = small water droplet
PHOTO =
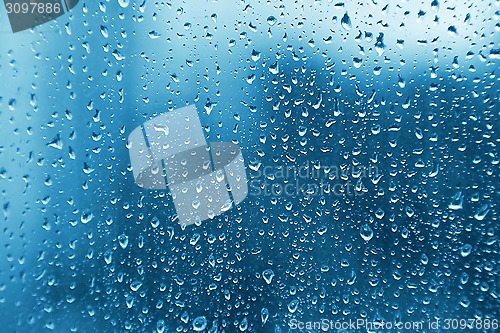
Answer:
(293, 306)
(366, 232)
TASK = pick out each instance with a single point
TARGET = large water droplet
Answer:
(456, 201)
(124, 3)
(135, 285)
(482, 212)
(243, 325)
(346, 22)
(199, 323)
(155, 222)
(264, 315)
(466, 250)
(160, 326)
(108, 256)
(380, 213)
(271, 20)
(268, 276)
(123, 240)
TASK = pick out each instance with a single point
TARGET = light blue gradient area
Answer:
(85, 250)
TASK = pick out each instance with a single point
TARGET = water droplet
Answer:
(104, 31)
(366, 232)
(135, 285)
(379, 44)
(293, 306)
(435, 5)
(155, 222)
(160, 326)
(124, 3)
(123, 241)
(199, 323)
(456, 201)
(194, 239)
(56, 142)
(264, 315)
(161, 128)
(482, 212)
(346, 22)
(154, 34)
(86, 217)
(271, 20)
(196, 204)
(268, 276)
(453, 30)
(379, 214)
(466, 250)
(274, 68)
(243, 325)
(255, 55)
(108, 256)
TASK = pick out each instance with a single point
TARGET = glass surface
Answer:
(356, 189)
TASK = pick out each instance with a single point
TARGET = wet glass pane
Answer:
(232, 166)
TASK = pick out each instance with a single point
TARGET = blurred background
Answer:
(405, 89)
